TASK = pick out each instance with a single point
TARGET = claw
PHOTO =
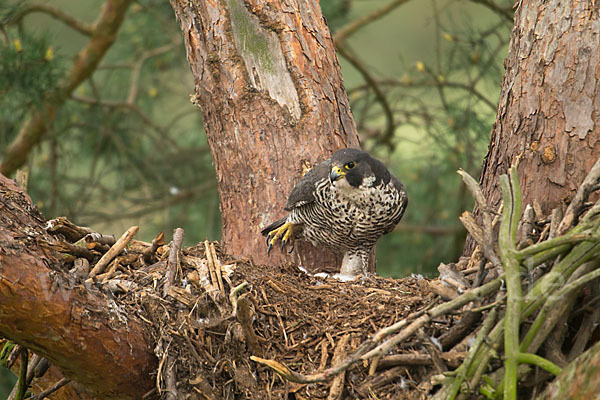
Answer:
(284, 233)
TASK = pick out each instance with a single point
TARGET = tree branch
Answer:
(33, 130)
(347, 30)
(74, 328)
(388, 134)
(505, 13)
(56, 13)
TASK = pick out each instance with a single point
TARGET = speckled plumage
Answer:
(345, 209)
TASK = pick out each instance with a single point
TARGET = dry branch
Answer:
(40, 309)
(589, 185)
(288, 315)
(114, 251)
(173, 262)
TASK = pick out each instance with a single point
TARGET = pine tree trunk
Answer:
(547, 114)
(271, 93)
(78, 329)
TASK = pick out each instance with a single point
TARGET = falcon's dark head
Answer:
(358, 168)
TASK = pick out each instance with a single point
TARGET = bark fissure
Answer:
(546, 115)
(267, 81)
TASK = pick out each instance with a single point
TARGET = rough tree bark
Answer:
(547, 114)
(273, 101)
(78, 329)
(241, 60)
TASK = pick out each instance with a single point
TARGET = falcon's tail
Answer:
(273, 226)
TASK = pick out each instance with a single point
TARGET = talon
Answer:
(291, 248)
(283, 233)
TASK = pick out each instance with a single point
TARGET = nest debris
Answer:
(225, 328)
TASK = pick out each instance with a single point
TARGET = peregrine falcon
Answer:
(345, 203)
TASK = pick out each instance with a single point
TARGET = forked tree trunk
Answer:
(548, 111)
(271, 93)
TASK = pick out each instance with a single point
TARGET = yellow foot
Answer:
(284, 233)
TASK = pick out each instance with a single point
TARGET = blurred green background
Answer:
(423, 81)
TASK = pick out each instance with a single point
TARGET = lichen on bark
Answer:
(263, 57)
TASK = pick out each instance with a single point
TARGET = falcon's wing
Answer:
(304, 190)
(403, 202)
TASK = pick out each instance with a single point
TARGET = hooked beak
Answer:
(335, 174)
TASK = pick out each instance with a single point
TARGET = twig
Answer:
(586, 329)
(173, 262)
(170, 380)
(233, 296)
(337, 386)
(63, 226)
(558, 297)
(113, 252)
(503, 12)
(452, 358)
(218, 271)
(94, 237)
(450, 391)
(369, 348)
(22, 383)
(158, 241)
(570, 238)
(344, 32)
(56, 13)
(483, 236)
(112, 269)
(527, 227)
(511, 197)
(540, 362)
(50, 390)
(388, 133)
(590, 183)
(72, 249)
(245, 316)
(542, 289)
(212, 267)
(137, 69)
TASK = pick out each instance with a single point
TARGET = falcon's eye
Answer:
(350, 165)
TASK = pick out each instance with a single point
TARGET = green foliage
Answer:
(7, 378)
(7, 382)
(129, 145)
(29, 73)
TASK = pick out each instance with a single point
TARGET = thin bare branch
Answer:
(137, 69)
(33, 130)
(588, 185)
(344, 32)
(505, 13)
(51, 389)
(56, 13)
(388, 134)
